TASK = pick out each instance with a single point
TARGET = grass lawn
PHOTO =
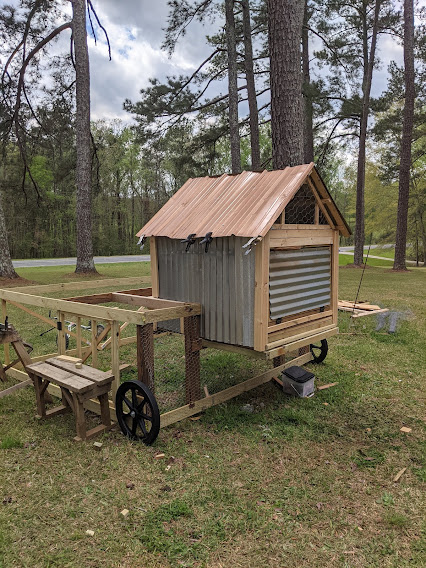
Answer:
(291, 482)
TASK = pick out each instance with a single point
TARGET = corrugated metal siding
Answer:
(221, 280)
(299, 280)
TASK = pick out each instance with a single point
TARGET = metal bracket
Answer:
(141, 241)
(251, 243)
(189, 241)
(207, 241)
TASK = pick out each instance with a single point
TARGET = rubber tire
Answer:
(323, 353)
(137, 388)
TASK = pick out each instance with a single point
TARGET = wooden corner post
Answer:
(261, 294)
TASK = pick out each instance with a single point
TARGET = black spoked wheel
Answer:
(137, 412)
(319, 352)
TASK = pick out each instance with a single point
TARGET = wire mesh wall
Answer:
(301, 209)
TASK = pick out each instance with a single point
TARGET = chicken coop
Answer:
(245, 263)
(258, 251)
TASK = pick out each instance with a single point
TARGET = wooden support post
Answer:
(192, 359)
(80, 419)
(115, 356)
(104, 404)
(94, 344)
(335, 275)
(6, 345)
(145, 354)
(78, 333)
(61, 333)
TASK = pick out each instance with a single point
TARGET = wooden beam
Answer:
(14, 388)
(115, 356)
(83, 285)
(276, 338)
(290, 347)
(146, 301)
(92, 299)
(296, 321)
(321, 204)
(198, 406)
(292, 338)
(301, 241)
(6, 346)
(261, 294)
(247, 351)
(154, 268)
(74, 308)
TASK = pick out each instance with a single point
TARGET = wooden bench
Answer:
(78, 383)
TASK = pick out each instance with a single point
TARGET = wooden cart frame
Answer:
(150, 311)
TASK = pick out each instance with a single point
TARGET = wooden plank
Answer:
(261, 294)
(154, 268)
(322, 192)
(136, 292)
(335, 275)
(321, 204)
(298, 227)
(115, 356)
(146, 301)
(69, 359)
(14, 388)
(78, 337)
(274, 339)
(75, 308)
(163, 314)
(247, 351)
(83, 284)
(289, 347)
(292, 338)
(370, 313)
(198, 406)
(6, 346)
(306, 232)
(327, 386)
(301, 241)
(298, 320)
(60, 377)
(92, 299)
(93, 342)
(89, 373)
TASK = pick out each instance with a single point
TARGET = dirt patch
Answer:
(15, 282)
(352, 265)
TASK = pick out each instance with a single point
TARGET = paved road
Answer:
(71, 261)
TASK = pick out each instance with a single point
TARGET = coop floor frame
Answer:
(150, 311)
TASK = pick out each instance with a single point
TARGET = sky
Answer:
(135, 33)
(135, 30)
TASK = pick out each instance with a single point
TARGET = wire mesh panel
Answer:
(301, 209)
(322, 219)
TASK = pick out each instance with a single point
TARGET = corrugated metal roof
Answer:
(244, 205)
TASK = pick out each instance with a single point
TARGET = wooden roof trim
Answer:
(326, 199)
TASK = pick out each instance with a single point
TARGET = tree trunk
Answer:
(6, 266)
(85, 261)
(406, 139)
(366, 90)
(234, 131)
(285, 18)
(251, 87)
(308, 137)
